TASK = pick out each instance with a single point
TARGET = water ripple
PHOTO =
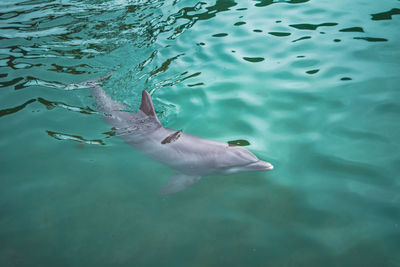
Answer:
(75, 138)
(9, 111)
(53, 104)
(305, 26)
(311, 86)
(386, 15)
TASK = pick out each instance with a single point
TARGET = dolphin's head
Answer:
(239, 159)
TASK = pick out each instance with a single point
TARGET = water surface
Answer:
(310, 86)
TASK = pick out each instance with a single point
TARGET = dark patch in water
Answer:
(297, 1)
(69, 69)
(371, 39)
(312, 26)
(193, 15)
(280, 34)
(254, 59)
(263, 3)
(12, 82)
(9, 111)
(164, 66)
(386, 15)
(302, 38)
(352, 29)
(239, 23)
(191, 76)
(195, 84)
(257, 30)
(220, 35)
(312, 71)
(148, 60)
(239, 142)
(346, 79)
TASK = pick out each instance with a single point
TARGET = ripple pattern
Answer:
(311, 86)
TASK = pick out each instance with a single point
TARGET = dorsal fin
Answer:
(147, 105)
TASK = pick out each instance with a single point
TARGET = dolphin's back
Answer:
(104, 102)
(143, 131)
(125, 123)
(187, 153)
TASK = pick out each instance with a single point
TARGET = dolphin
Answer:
(191, 156)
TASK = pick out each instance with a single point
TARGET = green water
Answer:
(310, 86)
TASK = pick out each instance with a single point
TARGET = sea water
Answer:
(311, 86)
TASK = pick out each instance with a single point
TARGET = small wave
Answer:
(74, 138)
(9, 111)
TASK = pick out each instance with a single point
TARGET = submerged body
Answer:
(192, 156)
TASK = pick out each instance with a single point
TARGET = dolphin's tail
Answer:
(103, 101)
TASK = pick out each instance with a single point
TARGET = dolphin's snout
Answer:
(260, 166)
(268, 166)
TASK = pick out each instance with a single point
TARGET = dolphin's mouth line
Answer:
(251, 163)
(262, 165)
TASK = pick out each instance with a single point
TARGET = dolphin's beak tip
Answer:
(269, 166)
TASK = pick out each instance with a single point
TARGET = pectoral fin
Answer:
(178, 182)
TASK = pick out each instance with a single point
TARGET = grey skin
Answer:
(191, 156)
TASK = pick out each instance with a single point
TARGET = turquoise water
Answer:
(310, 86)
